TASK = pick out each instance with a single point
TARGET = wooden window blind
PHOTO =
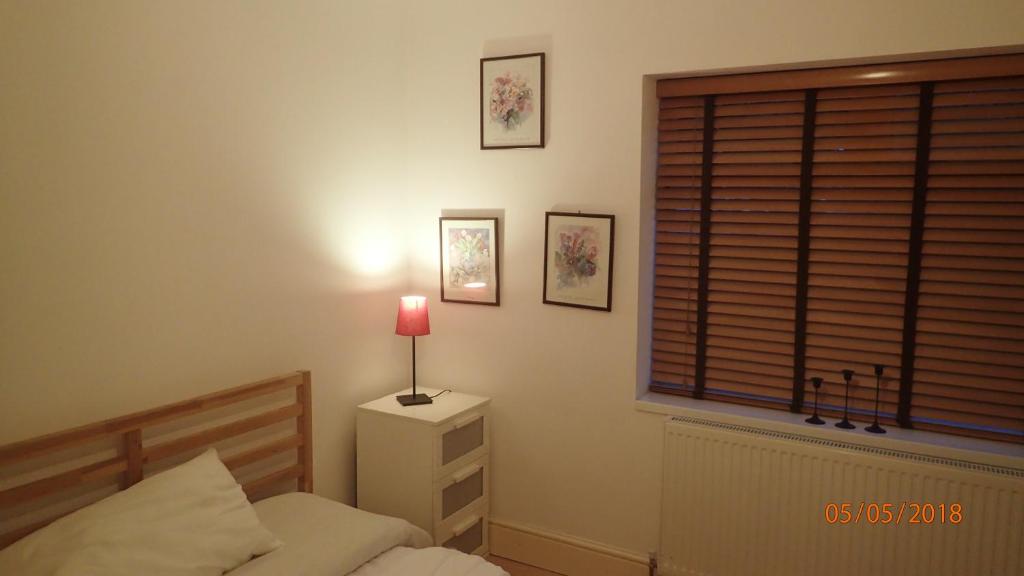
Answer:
(819, 220)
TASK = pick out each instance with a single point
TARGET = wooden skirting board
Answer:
(562, 554)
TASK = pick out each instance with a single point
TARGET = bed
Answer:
(259, 438)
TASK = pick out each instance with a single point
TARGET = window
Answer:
(817, 220)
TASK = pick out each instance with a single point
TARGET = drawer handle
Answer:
(466, 473)
(461, 528)
(466, 421)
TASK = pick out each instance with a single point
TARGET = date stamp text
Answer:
(893, 513)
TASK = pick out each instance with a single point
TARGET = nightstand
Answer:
(428, 464)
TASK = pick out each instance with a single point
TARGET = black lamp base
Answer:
(815, 420)
(875, 429)
(413, 399)
(845, 424)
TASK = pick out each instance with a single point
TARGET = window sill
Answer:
(918, 441)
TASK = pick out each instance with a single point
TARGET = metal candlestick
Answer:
(875, 428)
(845, 423)
(816, 382)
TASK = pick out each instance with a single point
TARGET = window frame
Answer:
(802, 79)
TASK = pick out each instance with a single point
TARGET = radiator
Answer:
(745, 501)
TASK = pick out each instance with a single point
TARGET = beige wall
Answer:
(194, 195)
(570, 452)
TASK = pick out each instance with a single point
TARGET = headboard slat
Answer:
(304, 426)
(133, 454)
(63, 481)
(263, 452)
(20, 451)
(223, 432)
(256, 486)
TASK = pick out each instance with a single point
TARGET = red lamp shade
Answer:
(412, 316)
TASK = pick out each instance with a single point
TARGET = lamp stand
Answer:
(414, 398)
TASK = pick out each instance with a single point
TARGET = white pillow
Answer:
(192, 519)
(327, 538)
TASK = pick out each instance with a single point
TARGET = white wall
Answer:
(194, 195)
(570, 453)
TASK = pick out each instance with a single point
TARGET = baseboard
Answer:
(560, 553)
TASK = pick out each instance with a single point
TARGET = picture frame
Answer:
(470, 266)
(512, 101)
(579, 255)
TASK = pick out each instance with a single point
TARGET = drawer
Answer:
(460, 442)
(468, 534)
(466, 487)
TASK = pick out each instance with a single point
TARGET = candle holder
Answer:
(875, 428)
(816, 382)
(845, 423)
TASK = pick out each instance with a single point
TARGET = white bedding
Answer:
(325, 538)
(402, 561)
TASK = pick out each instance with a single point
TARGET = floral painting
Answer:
(578, 257)
(512, 102)
(469, 260)
(469, 256)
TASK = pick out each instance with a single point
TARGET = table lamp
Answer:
(413, 321)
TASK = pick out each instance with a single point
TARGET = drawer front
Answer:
(466, 487)
(468, 534)
(461, 442)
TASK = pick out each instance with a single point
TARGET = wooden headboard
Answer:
(132, 454)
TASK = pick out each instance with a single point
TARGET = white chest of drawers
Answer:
(428, 464)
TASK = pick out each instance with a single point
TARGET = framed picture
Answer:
(469, 260)
(578, 256)
(512, 102)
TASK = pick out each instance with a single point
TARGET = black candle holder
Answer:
(875, 428)
(816, 382)
(845, 423)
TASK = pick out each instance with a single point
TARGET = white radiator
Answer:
(745, 501)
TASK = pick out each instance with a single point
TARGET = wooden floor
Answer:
(517, 569)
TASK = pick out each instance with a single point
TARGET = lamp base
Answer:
(413, 399)
(845, 424)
